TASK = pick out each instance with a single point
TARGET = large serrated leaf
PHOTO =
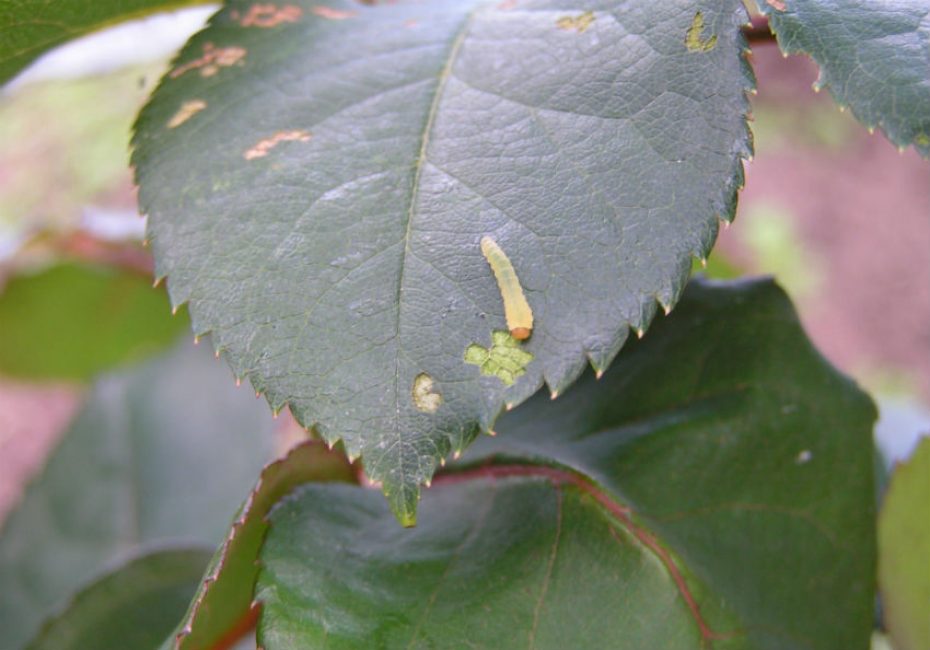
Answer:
(874, 57)
(131, 607)
(161, 453)
(713, 490)
(29, 28)
(318, 178)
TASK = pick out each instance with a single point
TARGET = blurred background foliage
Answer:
(839, 216)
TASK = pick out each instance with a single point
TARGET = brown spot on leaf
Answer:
(579, 23)
(269, 15)
(332, 14)
(778, 5)
(261, 149)
(186, 112)
(212, 60)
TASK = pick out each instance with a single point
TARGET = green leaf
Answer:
(873, 56)
(72, 321)
(317, 191)
(223, 603)
(904, 552)
(131, 607)
(162, 453)
(714, 489)
(29, 28)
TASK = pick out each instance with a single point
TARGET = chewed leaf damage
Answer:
(187, 111)
(212, 60)
(268, 15)
(264, 146)
(505, 359)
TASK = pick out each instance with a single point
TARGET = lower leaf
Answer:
(131, 607)
(714, 490)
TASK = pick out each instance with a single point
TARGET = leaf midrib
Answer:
(442, 80)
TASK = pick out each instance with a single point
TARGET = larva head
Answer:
(521, 333)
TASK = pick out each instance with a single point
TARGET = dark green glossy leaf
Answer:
(29, 28)
(131, 607)
(873, 56)
(713, 490)
(223, 604)
(72, 321)
(317, 189)
(904, 552)
(160, 453)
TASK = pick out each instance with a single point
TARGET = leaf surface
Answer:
(29, 28)
(904, 549)
(131, 607)
(714, 490)
(318, 182)
(161, 453)
(873, 56)
(72, 321)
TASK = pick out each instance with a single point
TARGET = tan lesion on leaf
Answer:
(263, 147)
(505, 359)
(268, 15)
(187, 111)
(579, 23)
(212, 60)
(425, 397)
(777, 5)
(694, 37)
(332, 14)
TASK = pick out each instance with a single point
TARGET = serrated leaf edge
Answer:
(823, 81)
(725, 206)
(299, 460)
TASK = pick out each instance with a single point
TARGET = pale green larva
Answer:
(516, 309)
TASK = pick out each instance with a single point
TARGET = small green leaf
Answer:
(72, 321)
(131, 607)
(224, 598)
(28, 28)
(321, 211)
(161, 453)
(873, 56)
(904, 552)
(713, 490)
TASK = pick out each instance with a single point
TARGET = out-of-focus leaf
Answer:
(161, 453)
(29, 28)
(223, 604)
(873, 56)
(713, 490)
(716, 267)
(72, 321)
(61, 167)
(904, 552)
(132, 607)
(318, 177)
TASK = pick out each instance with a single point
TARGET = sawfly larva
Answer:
(516, 309)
